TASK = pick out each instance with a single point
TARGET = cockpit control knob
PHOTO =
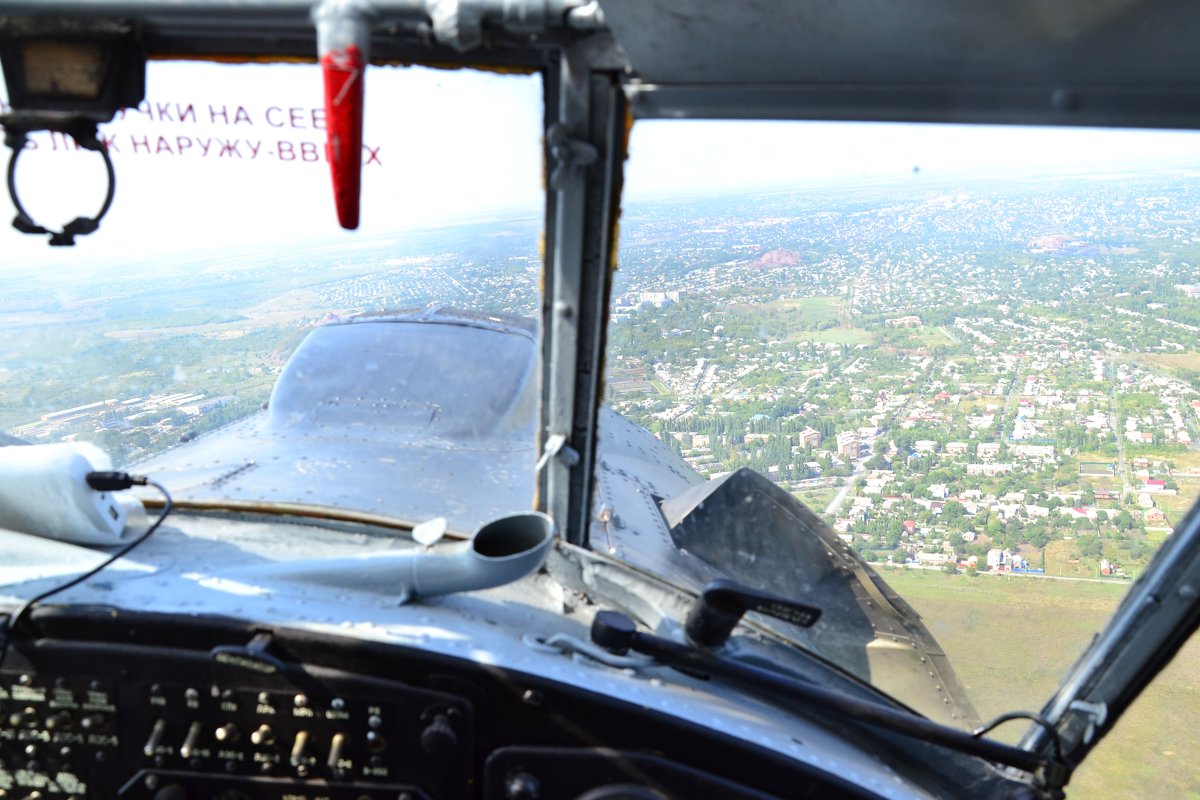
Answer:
(92, 722)
(263, 736)
(58, 721)
(439, 739)
(376, 742)
(23, 719)
(522, 786)
(227, 733)
(172, 791)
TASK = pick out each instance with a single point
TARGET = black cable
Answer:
(101, 482)
(1029, 715)
(616, 632)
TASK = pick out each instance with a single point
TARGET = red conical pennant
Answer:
(344, 71)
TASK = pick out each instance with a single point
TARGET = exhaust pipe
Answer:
(502, 551)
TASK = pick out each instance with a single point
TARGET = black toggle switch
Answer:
(157, 733)
(263, 736)
(193, 738)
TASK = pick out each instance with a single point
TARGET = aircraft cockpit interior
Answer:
(414, 496)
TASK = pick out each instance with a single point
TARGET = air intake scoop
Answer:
(501, 551)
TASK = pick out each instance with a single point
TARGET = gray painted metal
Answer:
(1131, 43)
(188, 567)
(607, 120)
(563, 292)
(526, 15)
(887, 645)
(412, 415)
(502, 551)
(1091, 105)
(385, 413)
(286, 28)
(585, 144)
(1114, 62)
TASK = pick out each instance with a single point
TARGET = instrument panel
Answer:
(178, 709)
(180, 734)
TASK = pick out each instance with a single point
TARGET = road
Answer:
(948, 334)
(840, 497)
(1120, 434)
(1039, 576)
(1012, 399)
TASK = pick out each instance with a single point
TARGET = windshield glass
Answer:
(163, 337)
(886, 370)
(971, 351)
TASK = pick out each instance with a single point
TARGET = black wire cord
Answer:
(1041, 721)
(101, 482)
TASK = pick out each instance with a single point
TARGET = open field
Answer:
(814, 310)
(846, 335)
(1177, 506)
(1045, 312)
(806, 319)
(1012, 639)
(661, 387)
(1063, 557)
(817, 499)
(933, 337)
(1173, 362)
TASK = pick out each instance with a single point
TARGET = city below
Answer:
(991, 376)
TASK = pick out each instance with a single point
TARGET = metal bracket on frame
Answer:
(556, 446)
(569, 153)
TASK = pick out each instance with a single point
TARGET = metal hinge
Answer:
(569, 153)
(1096, 714)
(556, 446)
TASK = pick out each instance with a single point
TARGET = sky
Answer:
(243, 168)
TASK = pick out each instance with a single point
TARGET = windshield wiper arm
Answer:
(617, 633)
(722, 604)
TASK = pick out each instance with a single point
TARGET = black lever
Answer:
(253, 656)
(721, 605)
(618, 634)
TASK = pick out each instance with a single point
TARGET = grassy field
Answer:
(1061, 558)
(802, 316)
(1176, 506)
(932, 337)
(817, 499)
(843, 335)
(814, 310)
(1181, 457)
(1011, 639)
(1173, 362)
